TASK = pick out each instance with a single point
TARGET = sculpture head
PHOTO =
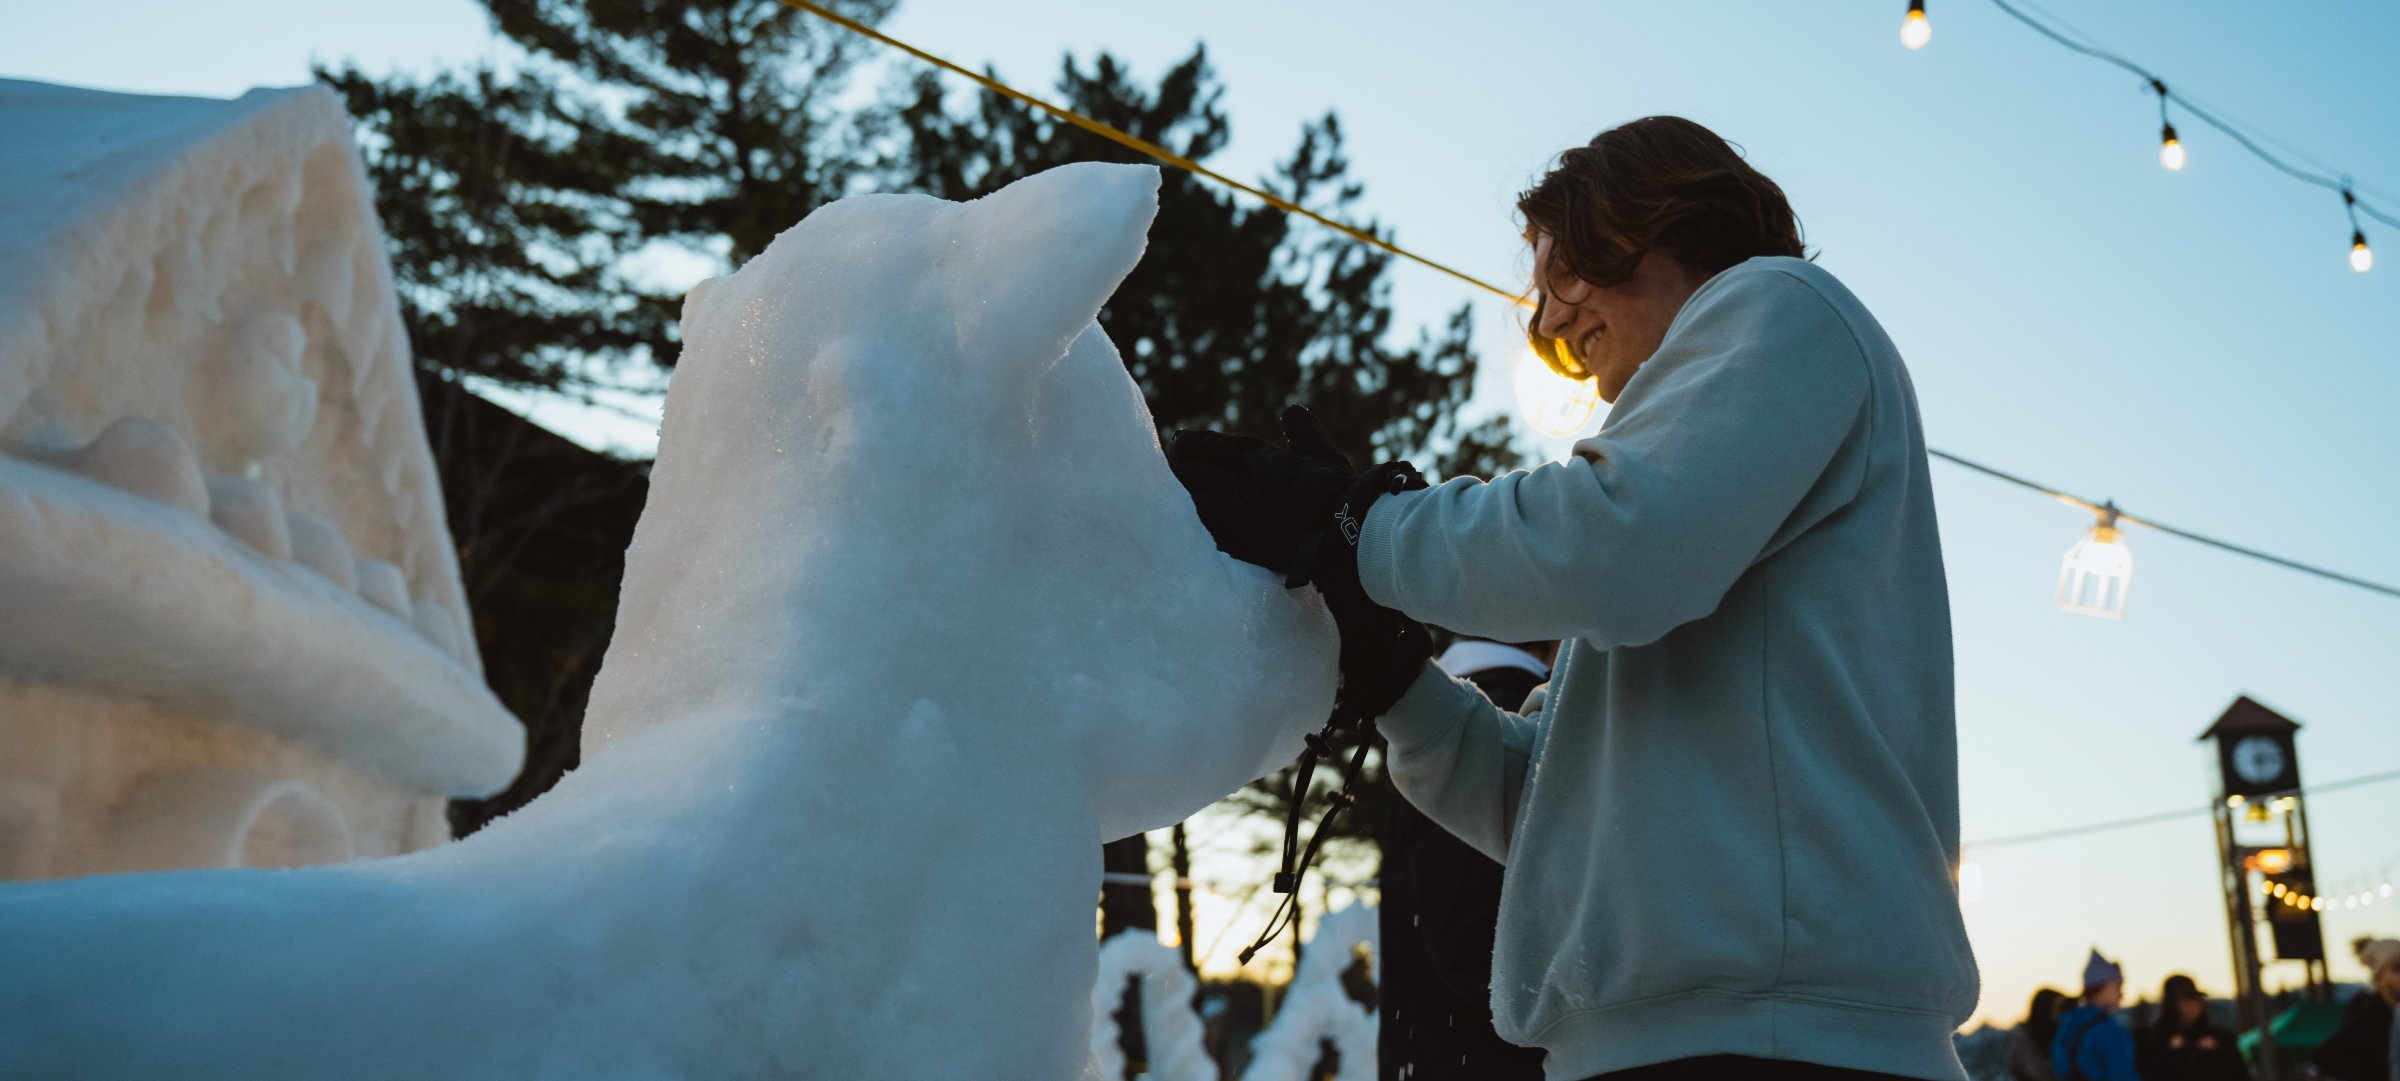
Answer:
(902, 462)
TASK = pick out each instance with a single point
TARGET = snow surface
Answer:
(915, 619)
(1177, 1051)
(1317, 1009)
(216, 493)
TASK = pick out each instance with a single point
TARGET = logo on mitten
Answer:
(1349, 524)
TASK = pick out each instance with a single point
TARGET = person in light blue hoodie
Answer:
(1729, 833)
(2092, 1045)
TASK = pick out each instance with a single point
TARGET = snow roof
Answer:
(215, 487)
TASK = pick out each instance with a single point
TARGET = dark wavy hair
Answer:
(1661, 182)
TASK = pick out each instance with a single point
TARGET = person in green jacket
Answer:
(1730, 831)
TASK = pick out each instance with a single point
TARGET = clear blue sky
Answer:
(2192, 345)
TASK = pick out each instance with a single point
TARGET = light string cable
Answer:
(1145, 146)
(2156, 817)
(1169, 157)
(2215, 118)
(2121, 515)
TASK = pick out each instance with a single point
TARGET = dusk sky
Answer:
(2191, 344)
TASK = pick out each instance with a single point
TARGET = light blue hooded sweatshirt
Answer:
(1732, 826)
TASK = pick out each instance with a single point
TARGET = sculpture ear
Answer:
(1038, 257)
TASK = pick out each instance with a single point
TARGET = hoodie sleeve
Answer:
(1459, 758)
(1701, 472)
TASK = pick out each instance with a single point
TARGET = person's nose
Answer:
(1553, 316)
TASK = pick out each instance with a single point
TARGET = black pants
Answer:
(1740, 1068)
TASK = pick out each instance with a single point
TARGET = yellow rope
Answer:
(1154, 150)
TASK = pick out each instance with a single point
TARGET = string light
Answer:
(2109, 510)
(2171, 152)
(1551, 403)
(2362, 258)
(2359, 255)
(1914, 30)
(2170, 148)
(2094, 577)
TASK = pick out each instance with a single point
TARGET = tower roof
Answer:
(2245, 717)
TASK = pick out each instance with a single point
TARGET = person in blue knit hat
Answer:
(2092, 1045)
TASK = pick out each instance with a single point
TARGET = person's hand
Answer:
(1300, 510)
(1261, 502)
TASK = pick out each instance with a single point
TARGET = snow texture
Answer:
(915, 619)
(215, 488)
(1169, 1022)
(1316, 1009)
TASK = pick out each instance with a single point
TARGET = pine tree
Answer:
(524, 210)
(1238, 310)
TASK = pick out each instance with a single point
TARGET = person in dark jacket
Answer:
(1441, 903)
(2029, 1045)
(2184, 1043)
(2092, 1045)
(2360, 1050)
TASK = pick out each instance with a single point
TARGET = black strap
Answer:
(1295, 858)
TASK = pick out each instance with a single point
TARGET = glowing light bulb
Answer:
(2362, 258)
(1915, 31)
(2097, 572)
(2386, 890)
(2170, 149)
(1553, 404)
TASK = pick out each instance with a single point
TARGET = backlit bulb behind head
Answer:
(2362, 258)
(2170, 149)
(1915, 31)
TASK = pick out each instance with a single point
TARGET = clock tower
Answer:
(2255, 753)
(2262, 843)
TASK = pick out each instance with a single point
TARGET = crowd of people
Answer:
(2067, 1038)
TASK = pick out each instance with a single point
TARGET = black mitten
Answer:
(1382, 651)
(1299, 510)
(1260, 501)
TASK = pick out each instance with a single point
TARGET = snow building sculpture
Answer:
(915, 618)
(231, 626)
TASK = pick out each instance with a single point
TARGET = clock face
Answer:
(2258, 759)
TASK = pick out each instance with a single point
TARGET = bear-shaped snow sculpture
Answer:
(916, 617)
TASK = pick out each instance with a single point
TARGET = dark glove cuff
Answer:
(1331, 553)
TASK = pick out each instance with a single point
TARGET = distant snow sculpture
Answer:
(1170, 1026)
(1316, 1008)
(231, 626)
(915, 618)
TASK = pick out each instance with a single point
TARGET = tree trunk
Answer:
(1183, 898)
(1124, 905)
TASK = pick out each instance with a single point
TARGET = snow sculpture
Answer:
(915, 618)
(1317, 1009)
(1171, 1025)
(231, 625)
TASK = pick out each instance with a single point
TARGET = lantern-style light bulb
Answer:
(2170, 149)
(1915, 31)
(2097, 571)
(2362, 257)
(1553, 404)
